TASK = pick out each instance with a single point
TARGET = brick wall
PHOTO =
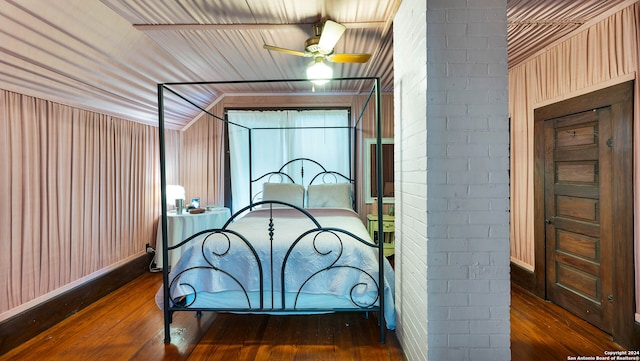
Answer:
(452, 198)
(410, 151)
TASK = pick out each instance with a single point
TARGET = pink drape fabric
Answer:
(79, 192)
(202, 160)
(596, 57)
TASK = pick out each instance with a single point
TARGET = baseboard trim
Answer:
(24, 326)
(523, 277)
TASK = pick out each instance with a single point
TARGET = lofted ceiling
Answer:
(108, 55)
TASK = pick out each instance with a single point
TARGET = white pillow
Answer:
(284, 192)
(331, 195)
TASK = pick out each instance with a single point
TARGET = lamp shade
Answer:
(319, 72)
(174, 192)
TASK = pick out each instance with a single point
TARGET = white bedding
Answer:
(351, 278)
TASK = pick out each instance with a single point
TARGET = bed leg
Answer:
(168, 320)
(198, 314)
(167, 326)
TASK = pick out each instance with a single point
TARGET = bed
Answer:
(297, 248)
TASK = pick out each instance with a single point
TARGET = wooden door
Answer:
(577, 215)
(583, 211)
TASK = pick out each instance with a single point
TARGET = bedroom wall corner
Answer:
(82, 194)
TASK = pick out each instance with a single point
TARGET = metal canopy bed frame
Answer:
(268, 293)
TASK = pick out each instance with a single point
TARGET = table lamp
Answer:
(175, 197)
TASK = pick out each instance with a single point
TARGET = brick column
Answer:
(452, 192)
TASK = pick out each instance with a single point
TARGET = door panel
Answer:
(577, 244)
(578, 208)
(577, 184)
(577, 172)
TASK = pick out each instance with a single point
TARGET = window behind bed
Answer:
(277, 136)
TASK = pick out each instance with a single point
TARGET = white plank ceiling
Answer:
(109, 55)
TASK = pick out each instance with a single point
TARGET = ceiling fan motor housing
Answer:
(311, 45)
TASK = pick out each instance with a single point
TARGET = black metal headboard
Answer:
(305, 168)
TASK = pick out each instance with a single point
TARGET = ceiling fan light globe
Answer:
(319, 72)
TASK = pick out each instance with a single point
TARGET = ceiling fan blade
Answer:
(349, 58)
(331, 33)
(286, 51)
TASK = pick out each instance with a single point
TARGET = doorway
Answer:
(583, 186)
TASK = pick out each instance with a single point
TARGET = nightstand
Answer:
(388, 228)
(181, 226)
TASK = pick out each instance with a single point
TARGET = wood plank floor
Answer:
(127, 325)
(541, 330)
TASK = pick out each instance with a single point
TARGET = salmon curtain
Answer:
(599, 56)
(79, 192)
(202, 161)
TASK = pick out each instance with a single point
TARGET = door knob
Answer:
(547, 221)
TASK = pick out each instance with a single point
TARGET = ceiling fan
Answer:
(322, 43)
(320, 47)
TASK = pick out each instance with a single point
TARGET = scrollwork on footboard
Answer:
(215, 247)
(333, 263)
(277, 259)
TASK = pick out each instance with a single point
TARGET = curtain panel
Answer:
(201, 161)
(594, 58)
(79, 190)
(273, 147)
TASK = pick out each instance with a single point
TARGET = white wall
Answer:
(452, 195)
(410, 152)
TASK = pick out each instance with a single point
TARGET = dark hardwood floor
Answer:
(127, 325)
(541, 330)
